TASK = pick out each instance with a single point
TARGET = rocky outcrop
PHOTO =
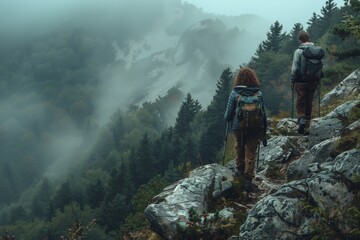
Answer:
(322, 151)
(317, 182)
(283, 215)
(314, 180)
(280, 149)
(287, 126)
(348, 88)
(171, 207)
(318, 154)
(332, 124)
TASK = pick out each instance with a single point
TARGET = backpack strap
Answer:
(301, 47)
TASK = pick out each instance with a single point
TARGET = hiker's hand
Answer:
(264, 142)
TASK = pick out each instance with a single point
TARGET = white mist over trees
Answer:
(84, 83)
(68, 66)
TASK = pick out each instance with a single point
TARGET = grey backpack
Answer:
(311, 63)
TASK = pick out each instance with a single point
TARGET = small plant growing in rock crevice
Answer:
(354, 114)
(78, 231)
(7, 236)
(335, 222)
(274, 171)
(204, 226)
(335, 103)
(347, 141)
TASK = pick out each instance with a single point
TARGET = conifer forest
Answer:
(82, 158)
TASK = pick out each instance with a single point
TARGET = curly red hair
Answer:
(247, 77)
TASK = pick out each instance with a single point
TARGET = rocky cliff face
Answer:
(307, 184)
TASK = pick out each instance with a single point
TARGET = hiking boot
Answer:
(248, 184)
(301, 129)
(301, 122)
(241, 170)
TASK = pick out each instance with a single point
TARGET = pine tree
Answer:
(328, 12)
(293, 41)
(275, 38)
(171, 174)
(40, 203)
(352, 21)
(212, 138)
(8, 184)
(144, 168)
(188, 109)
(349, 30)
(162, 150)
(117, 127)
(174, 149)
(210, 145)
(63, 196)
(120, 181)
(17, 213)
(259, 50)
(275, 43)
(320, 24)
(189, 151)
(215, 111)
(126, 185)
(95, 193)
(113, 213)
(314, 27)
(349, 26)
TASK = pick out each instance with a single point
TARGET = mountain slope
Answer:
(307, 184)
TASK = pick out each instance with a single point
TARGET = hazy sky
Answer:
(287, 12)
(24, 14)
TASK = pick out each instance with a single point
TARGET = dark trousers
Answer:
(246, 145)
(304, 98)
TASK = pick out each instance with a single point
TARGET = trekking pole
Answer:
(292, 101)
(225, 141)
(318, 93)
(258, 158)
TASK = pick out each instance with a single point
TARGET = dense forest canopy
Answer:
(61, 163)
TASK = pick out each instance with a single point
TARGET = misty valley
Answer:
(106, 104)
